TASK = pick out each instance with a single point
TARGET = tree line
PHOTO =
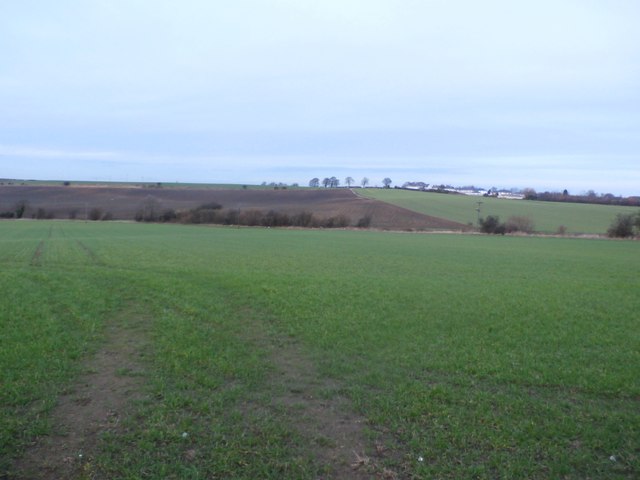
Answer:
(334, 182)
(589, 197)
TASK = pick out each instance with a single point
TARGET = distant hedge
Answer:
(213, 213)
(514, 224)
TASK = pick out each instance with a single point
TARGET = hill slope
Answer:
(122, 202)
(547, 216)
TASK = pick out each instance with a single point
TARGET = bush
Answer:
(339, 221)
(623, 225)
(519, 224)
(230, 218)
(492, 225)
(276, 219)
(42, 214)
(252, 218)
(95, 214)
(21, 208)
(207, 215)
(302, 219)
(364, 222)
(342, 221)
(168, 215)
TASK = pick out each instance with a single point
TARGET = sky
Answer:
(494, 93)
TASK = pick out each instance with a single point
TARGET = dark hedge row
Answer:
(213, 213)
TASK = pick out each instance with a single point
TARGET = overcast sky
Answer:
(506, 93)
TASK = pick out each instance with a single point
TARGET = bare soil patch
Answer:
(123, 203)
(92, 406)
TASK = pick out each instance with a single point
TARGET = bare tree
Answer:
(348, 181)
(149, 211)
(364, 182)
(529, 194)
(325, 182)
(334, 182)
(314, 182)
(386, 182)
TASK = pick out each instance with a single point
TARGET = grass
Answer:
(577, 218)
(486, 357)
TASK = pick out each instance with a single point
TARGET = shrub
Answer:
(623, 225)
(42, 214)
(492, 225)
(519, 224)
(342, 221)
(231, 217)
(207, 215)
(168, 215)
(251, 218)
(339, 221)
(276, 219)
(302, 219)
(21, 208)
(364, 222)
(95, 214)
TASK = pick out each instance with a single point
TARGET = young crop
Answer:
(268, 353)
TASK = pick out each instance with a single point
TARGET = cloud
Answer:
(200, 88)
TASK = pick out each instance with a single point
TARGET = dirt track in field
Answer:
(94, 405)
(124, 202)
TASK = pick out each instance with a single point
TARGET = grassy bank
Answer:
(548, 217)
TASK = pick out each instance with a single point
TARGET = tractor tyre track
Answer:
(315, 407)
(36, 258)
(94, 405)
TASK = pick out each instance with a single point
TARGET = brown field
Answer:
(123, 202)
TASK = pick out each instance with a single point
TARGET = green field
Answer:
(577, 218)
(455, 356)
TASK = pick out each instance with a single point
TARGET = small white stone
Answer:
(420, 459)
(613, 458)
(185, 434)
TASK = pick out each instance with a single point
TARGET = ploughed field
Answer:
(136, 350)
(122, 203)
